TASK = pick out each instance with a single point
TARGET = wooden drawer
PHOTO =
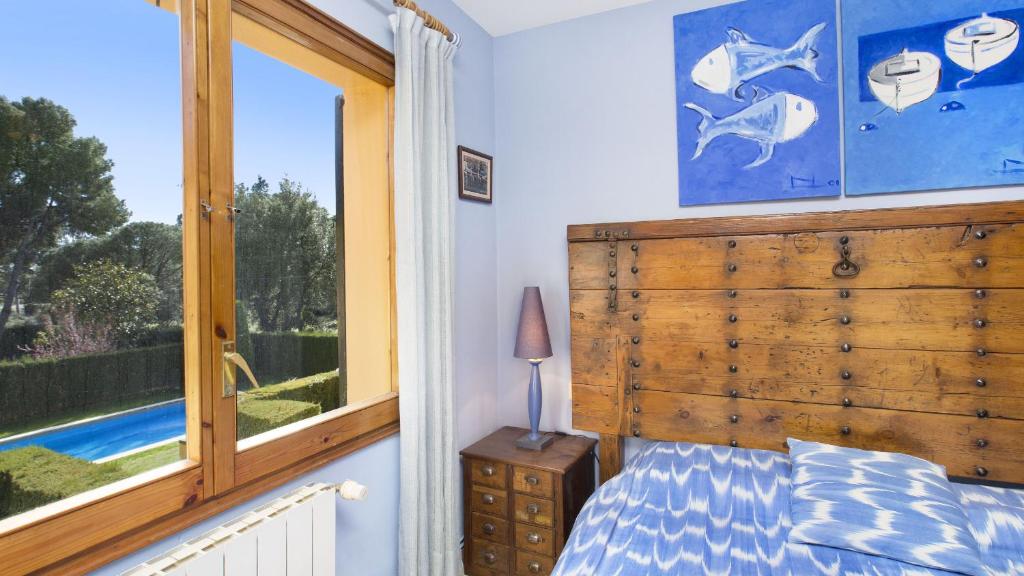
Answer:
(535, 539)
(534, 510)
(490, 528)
(489, 501)
(532, 481)
(487, 473)
(531, 564)
(491, 556)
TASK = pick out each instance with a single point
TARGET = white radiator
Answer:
(291, 536)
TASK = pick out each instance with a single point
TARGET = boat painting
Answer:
(757, 102)
(982, 43)
(945, 80)
(905, 79)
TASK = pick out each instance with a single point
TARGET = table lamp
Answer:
(533, 344)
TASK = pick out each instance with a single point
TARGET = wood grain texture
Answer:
(533, 510)
(612, 454)
(899, 258)
(897, 319)
(681, 327)
(539, 483)
(913, 380)
(306, 438)
(315, 30)
(765, 424)
(947, 215)
(541, 512)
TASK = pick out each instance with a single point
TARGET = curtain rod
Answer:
(428, 19)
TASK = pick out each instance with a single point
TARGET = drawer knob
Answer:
(488, 470)
(534, 567)
(488, 498)
(532, 480)
(532, 509)
(533, 538)
(489, 529)
(490, 558)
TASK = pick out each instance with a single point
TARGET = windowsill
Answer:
(119, 546)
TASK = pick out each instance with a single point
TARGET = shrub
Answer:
(16, 338)
(54, 388)
(320, 389)
(110, 294)
(256, 416)
(283, 355)
(39, 476)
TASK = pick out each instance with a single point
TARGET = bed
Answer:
(679, 508)
(897, 330)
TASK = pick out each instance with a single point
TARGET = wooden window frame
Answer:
(86, 531)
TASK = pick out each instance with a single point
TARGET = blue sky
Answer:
(115, 65)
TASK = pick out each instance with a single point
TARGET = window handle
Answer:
(231, 360)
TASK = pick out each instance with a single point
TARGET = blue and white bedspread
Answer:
(696, 509)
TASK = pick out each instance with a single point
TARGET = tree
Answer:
(53, 185)
(285, 266)
(152, 247)
(111, 295)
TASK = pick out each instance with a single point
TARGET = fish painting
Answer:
(761, 72)
(727, 68)
(770, 120)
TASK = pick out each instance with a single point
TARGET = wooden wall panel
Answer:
(952, 441)
(925, 319)
(917, 257)
(680, 326)
(913, 380)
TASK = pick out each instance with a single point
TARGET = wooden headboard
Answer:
(898, 330)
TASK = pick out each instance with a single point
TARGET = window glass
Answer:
(91, 353)
(299, 233)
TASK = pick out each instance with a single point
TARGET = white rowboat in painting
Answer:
(982, 43)
(905, 79)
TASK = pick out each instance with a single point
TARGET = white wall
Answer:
(368, 532)
(585, 120)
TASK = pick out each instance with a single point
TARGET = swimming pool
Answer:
(104, 437)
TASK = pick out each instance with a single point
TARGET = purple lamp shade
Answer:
(532, 341)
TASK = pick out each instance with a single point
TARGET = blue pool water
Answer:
(102, 438)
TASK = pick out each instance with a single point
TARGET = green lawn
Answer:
(34, 476)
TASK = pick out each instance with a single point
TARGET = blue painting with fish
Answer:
(757, 102)
(934, 94)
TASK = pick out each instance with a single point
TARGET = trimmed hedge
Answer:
(280, 356)
(39, 476)
(320, 389)
(41, 389)
(256, 416)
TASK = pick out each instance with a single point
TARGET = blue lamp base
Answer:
(534, 440)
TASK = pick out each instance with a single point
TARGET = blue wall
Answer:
(585, 123)
(367, 537)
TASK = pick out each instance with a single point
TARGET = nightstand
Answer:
(521, 504)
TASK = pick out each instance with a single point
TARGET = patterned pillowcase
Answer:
(879, 503)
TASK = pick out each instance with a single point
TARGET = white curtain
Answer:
(424, 156)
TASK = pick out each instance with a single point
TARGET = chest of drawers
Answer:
(520, 505)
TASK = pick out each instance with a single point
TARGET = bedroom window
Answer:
(197, 224)
(92, 381)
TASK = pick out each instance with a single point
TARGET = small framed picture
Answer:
(475, 173)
